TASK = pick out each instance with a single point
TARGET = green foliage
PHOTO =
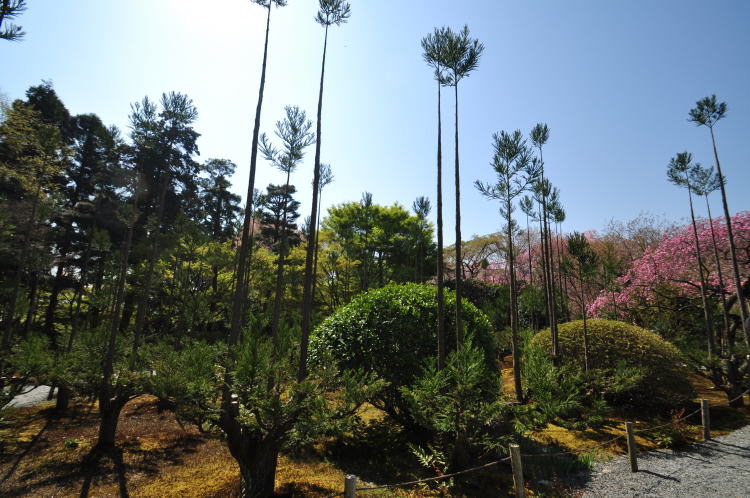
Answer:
(72, 444)
(271, 401)
(389, 331)
(10, 10)
(674, 434)
(461, 407)
(185, 378)
(556, 393)
(630, 366)
(493, 300)
(384, 242)
(32, 358)
(81, 369)
(532, 307)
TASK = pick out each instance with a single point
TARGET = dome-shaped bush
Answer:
(664, 377)
(391, 331)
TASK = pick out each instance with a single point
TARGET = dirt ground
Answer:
(42, 455)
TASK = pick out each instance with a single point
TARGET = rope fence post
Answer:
(632, 449)
(706, 419)
(350, 486)
(515, 463)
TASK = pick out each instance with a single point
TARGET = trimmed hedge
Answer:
(664, 383)
(392, 331)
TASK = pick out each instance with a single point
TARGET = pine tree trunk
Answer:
(279, 291)
(707, 312)
(459, 260)
(515, 350)
(549, 282)
(732, 250)
(552, 294)
(307, 301)
(240, 288)
(10, 309)
(317, 236)
(140, 317)
(440, 269)
(585, 328)
(108, 409)
(258, 471)
(109, 412)
(528, 243)
(725, 345)
(33, 302)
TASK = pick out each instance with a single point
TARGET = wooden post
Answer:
(632, 449)
(350, 486)
(515, 463)
(706, 418)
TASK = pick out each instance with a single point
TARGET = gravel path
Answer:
(32, 396)
(717, 468)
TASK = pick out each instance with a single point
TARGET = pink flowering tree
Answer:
(662, 289)
(671, 264)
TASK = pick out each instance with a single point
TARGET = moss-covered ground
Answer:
(45, 455)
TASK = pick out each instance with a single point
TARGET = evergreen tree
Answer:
(220, 205)
(462, 54)
(331, 12)
(512, 162)
(10, 9)
(421, 208)
(705, 182)
(582, 266)
(294, 133)
(707, 112)
(679, 174)
(543, 189)
(433, 47)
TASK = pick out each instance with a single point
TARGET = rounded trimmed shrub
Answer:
(613, 346)
(392, 331)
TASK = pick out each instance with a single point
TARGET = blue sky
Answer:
(613, 80)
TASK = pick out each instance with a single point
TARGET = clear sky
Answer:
(613, 80)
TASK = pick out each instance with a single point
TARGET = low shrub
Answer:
(391, 332)
(631, 367)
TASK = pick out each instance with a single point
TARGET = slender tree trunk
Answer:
(110, 405)
(33, 302)
(459, 260)
(140, 317)
(440, 269)
(240, 291)
(563, 279)
(725, 346)
(732, 249)
(515, 351)
(279, 292)
(549, 282)
(307, 300)
(317, 236)
(543, 264)
(585, 322)
(10, 309)
(528, 244)
(585, 339)
(707, 312)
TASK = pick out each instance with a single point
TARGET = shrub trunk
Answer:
(257, 460)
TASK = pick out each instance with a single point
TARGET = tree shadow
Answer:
(92, 465)
(661, 476)
(25, 452)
